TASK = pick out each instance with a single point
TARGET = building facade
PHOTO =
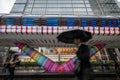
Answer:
(67, 7)
(38, 22)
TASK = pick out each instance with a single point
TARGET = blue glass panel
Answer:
(9, 21)
(103, 22)
(109, 23)
(94, 22)
(115, 23)
(52, 21)
(119, 23)
(28, 21)
(84, 22)
(70, 22)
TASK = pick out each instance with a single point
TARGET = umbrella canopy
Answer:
(69, 36)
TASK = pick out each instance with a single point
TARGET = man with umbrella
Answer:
(77, 37)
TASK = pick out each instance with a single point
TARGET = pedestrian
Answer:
(13, 63)
(86, 71)
(6, 63)
(77, 37)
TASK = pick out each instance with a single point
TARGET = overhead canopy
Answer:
(42, 30)
(44, 36)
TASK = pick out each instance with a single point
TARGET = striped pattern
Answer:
(57, 30)
(51, 66)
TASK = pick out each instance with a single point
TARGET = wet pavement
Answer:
(41, 75)
(57, 76)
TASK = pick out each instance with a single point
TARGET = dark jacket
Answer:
(83, 55)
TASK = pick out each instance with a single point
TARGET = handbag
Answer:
(77, 66)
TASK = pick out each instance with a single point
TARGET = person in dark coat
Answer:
(86, 72)
(13, 62)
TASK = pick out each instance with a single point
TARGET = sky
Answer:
(6, 5)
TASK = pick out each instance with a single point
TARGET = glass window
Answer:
(83, 13)
(65, 1)
(66, 12)
(90, 13)
(38, 12)
(80, 12)
(64, 5)
(19, 1)
(38, 9)
(88, 5)
(29, 5)
(16, 6)
(86, 1)
(78, 5)
(39, 5)
(28, 9)
(52, 9)
(79, 9)
(52, 1)
(52, 5)
(77, 1)
(40, 1)
(89, 9)
(30, 1)
(27, 12)
(52, 12)
(109, 7)
(65, 9)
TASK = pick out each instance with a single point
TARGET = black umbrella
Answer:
(69, 36)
